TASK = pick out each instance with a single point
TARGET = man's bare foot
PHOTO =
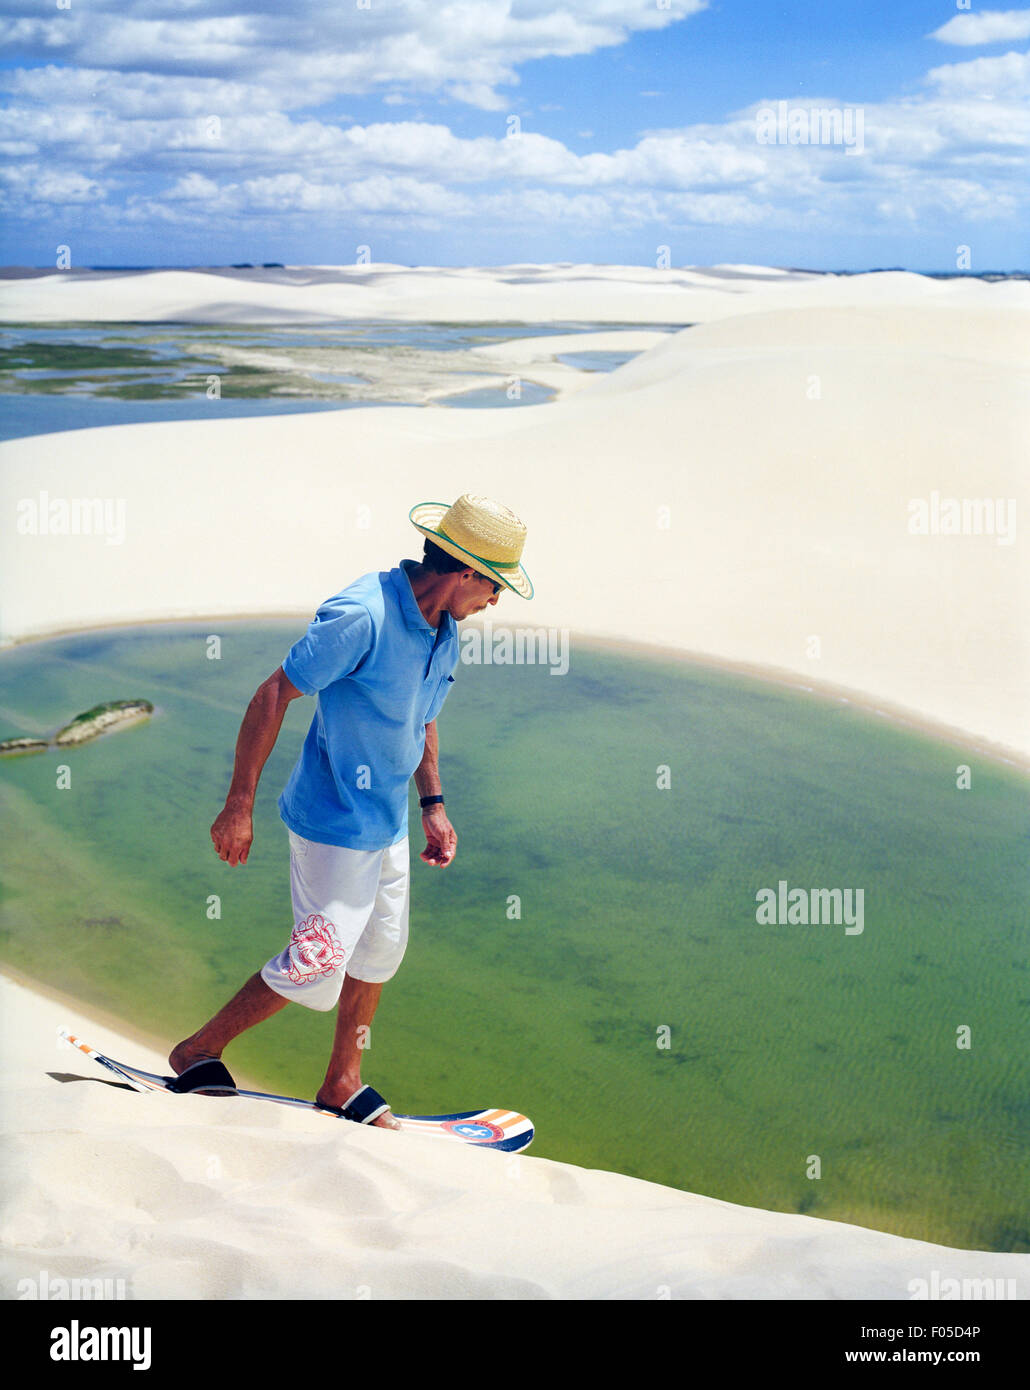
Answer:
(184, 1055)
(387, 1121)
(335, 1097)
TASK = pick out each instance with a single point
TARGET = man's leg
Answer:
(253, 1004)
(357, 1006)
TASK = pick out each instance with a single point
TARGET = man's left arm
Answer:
(441, 838)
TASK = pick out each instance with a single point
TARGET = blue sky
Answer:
(784, 132)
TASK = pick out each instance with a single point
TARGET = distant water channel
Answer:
(76, 376)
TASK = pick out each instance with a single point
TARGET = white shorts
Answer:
(350, 913)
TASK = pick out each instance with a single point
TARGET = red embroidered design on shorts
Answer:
(314, 949)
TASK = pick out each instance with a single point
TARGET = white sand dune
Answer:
(466, 294)
(198, 1198)
(536, 360)
(742, 490)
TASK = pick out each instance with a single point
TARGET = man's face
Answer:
(473, 593)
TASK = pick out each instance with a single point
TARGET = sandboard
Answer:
(494, 1128)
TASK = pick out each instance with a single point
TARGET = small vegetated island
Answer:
(98, 720)
(23, 745)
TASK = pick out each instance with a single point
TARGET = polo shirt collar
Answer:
(413, 616)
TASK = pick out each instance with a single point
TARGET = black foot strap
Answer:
(208, 1075)
(364, 1106)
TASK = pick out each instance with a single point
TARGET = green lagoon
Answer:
(593, 955)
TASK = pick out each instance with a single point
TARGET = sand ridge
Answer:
(468, 294)
(198, 1198)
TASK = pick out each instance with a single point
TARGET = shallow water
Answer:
(634, 1005)
(60, 377)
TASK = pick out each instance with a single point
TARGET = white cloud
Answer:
(986, 26)
(137, 94)
(52, 188)
(1006, 78)
(193, 188)
(310, 51)
(186, 150)
(479, 94)
(290, 193)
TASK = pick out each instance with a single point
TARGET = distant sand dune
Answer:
(460, 294)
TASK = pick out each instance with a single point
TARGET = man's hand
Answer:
(233, 830)
(441, 837)
(233, 833)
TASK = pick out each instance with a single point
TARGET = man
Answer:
(378, 658)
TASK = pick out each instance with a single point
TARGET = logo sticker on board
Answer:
(477, 1131)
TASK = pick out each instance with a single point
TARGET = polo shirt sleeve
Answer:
(336, 643)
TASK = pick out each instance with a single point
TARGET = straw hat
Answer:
(487, 536)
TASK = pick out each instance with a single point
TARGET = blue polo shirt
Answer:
(380, 674)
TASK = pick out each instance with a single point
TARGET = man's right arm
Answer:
(233, 830)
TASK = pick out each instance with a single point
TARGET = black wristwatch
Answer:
(425, 801)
